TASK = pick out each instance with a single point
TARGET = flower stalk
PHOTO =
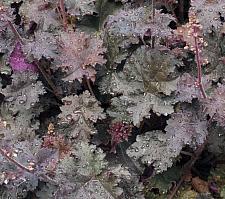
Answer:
(199, 66)
(4, 154)
(15, 32)
(63, 13)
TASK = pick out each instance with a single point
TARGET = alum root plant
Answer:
(83, 82)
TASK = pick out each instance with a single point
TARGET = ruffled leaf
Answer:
(24, 91)
(209, 13)
(81, 112)
(18, 61)
(42, 12)
(90, 159)
(186, 128)
(44, 44)
(215, 103)
(79, 55)
(80, 7)
(130, 25)
(152, 148)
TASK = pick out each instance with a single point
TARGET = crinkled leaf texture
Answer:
(142, 80)
(208, 13)
(187, 88)
(7, 19)
(141, 83)
(92, 189)
(80, 7)
(160, 149)
(20, 106)
(81, 111)
(7, 39)
(80, 53)
(153, 148)
(135, 108)
(7, 42)
(24, 91)
(215, 103)
(118, 110)
(148, 70)
(85, 105)
(90, 159)
(88, 175)
(28, 155)
(132, 24)
(5, 16)
(186, 128)
(157, 68)
(44, 44)
(42, 12)
(22, 126)
(83, 171)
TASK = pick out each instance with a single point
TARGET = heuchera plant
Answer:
(112, 99)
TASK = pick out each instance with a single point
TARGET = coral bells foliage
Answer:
(5, 16)
(99, 70)
(209, 12)
(215, 105)
(80, 54)
(119, 132)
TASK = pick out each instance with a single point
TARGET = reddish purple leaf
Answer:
(18, 62)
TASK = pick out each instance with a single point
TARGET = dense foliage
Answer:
(112, 99)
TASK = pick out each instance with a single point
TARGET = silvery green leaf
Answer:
(24, 91)
(208, 13)
(81, 7)
(92, 189)
(152, 148)
(132, 24)
(91, 160)
(84, 105)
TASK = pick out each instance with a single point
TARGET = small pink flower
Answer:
(18, 61)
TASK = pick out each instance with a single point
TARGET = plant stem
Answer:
(63, 12)
(153, 21)
(188, 166)
(15, 32)
(181, 11)
(153, 10)
(171, 196)
(47, 178)
(14, 161)
(100, 11)
(55, 90)
(89, 86)
(199, 68)
(186, 153)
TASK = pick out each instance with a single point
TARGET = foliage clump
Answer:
(113, 99)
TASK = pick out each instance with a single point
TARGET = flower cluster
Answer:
(119, 132)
